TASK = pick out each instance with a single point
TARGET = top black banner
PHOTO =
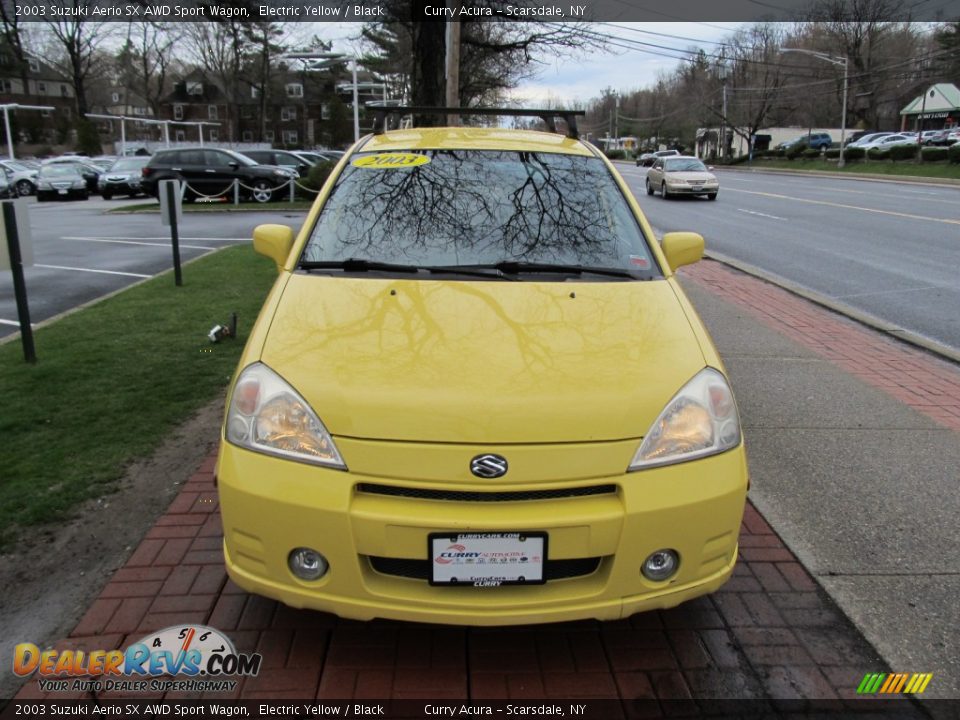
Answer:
(440, 11)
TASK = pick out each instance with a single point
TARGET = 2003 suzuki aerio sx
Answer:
(477, 395)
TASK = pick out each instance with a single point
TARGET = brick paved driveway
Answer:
(771, 632)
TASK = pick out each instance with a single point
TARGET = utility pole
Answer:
(453, 66)
(723, 119)
(616, 120)
(845, 61)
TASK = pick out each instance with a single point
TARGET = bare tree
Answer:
(145, 60)
(219, 49)
(78, 42)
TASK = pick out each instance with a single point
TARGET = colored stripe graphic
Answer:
(894, 683)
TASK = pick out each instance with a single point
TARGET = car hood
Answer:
(482, 362)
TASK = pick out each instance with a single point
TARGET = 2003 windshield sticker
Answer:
(390, 161)
(199, 658)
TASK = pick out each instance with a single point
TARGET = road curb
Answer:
(898, 333)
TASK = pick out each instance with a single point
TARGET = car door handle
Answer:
(177, 169)
(209, 170)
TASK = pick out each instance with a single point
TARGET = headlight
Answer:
(700, 420)
(77, 184)
(267, 415)
(45, 185)
(281, 173)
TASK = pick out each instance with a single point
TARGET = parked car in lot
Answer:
(814, 141)
(867, 138)
(477, 395)
(891, 140)
(21, 176)
(123, 177)
(647, 159)
(62, 181)
(281, 158)
(681, 176)
(212, 172)
(7, 190)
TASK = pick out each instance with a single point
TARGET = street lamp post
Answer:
(835, 61)
(6, 120)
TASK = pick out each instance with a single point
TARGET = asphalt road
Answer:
(81, 254)
(888, 249)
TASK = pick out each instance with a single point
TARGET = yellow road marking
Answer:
(846, 207)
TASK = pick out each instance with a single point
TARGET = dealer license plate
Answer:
(697, 188)
(62, 192)
(487, 559)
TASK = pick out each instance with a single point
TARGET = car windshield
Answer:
(468, 207)
(129, 164)
(684, 165)
(60, 170)
(19, 167)
(242, 159)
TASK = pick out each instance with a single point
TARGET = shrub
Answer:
(779, 152)
(833, 153)
(903, 152)
(795, 151)
(953, 153)
(315, 179)
(878, 154)
(616, 154)
(934, 154)
(811, 153)
(854, 153)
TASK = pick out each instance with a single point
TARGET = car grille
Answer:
(420, 569)
(486, 495)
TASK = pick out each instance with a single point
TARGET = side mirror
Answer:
(682, 248)
(234, 165)
(710, 168)
(274, 242)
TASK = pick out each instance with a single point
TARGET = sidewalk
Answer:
(834, 449)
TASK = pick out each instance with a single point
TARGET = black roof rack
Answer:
(380, 115)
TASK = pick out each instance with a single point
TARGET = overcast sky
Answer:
(563, 81)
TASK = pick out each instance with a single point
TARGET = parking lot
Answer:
(81, 252)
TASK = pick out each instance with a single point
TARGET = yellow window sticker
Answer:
(390, 161)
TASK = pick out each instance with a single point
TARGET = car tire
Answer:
(663, 191)
(25, 187)
(649, 189)
(262, 191)
(712, 196)
(107, 196)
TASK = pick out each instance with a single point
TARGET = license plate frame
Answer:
(503, 544)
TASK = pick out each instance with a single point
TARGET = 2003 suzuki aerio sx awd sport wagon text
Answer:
(477, 395)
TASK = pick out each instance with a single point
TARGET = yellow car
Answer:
(477, 395)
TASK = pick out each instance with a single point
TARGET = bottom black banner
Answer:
(427, 709)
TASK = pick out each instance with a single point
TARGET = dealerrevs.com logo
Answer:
(199, 658)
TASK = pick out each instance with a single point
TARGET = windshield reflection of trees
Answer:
(467, 207)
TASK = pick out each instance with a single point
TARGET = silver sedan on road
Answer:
(682, 176)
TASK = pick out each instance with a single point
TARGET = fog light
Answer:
(307, 564)
(661, 565)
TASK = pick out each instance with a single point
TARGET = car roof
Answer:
(463, 138)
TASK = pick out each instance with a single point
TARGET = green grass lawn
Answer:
(872, 167)
(113, 379)
(154, 207)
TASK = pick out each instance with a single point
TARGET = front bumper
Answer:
(270, 506)
(689, 189)
(120, 187)
(70, 194)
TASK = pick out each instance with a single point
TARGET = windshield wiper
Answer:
(514, 266)
(361, 265)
